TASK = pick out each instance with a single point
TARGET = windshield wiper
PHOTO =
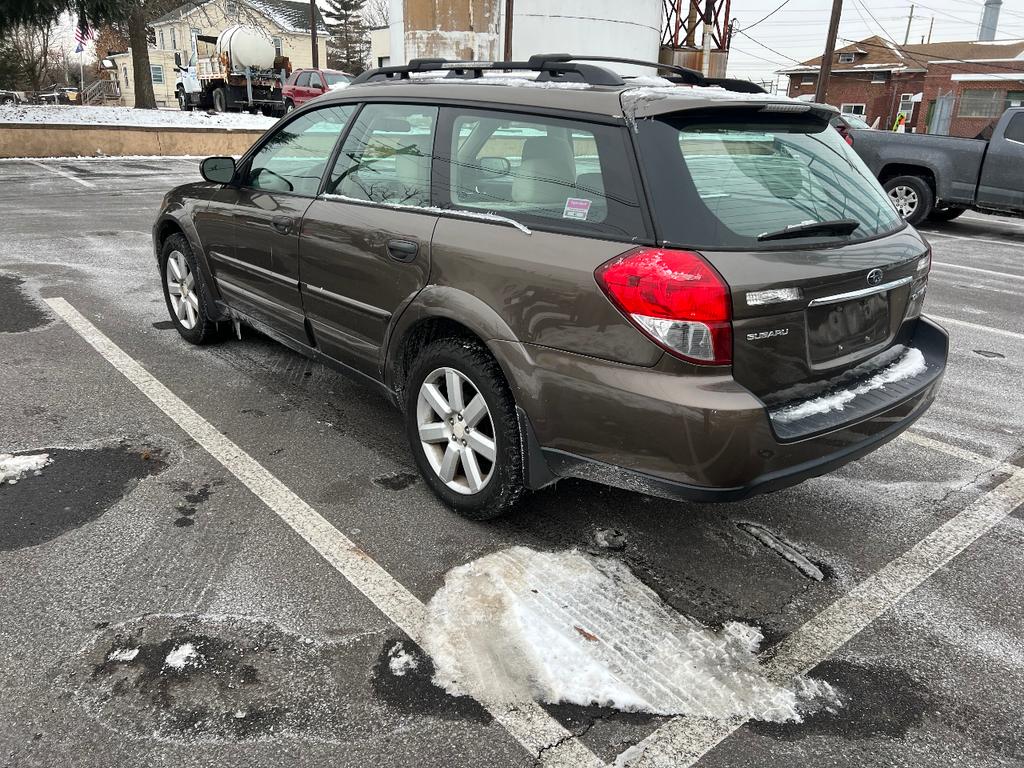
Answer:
(809, 228)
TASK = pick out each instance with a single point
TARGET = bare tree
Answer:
(377, 13)
(35, 52)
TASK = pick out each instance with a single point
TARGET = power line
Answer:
(765, 18)
(767, 48)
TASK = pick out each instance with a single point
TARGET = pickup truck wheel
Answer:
(220, 100)
(183, 104)
(463, 430)
(912, 197)
(946, 213)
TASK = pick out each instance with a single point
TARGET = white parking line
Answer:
(976, 326)
(987, 220)
(682, 742)
(531, 726)
(65, 174)
(932, 233)
(947, 265)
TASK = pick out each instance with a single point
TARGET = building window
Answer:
(158, 74)
(278, 46)
(852, 109)
(975, 102)
(807, 80)
(846, 58)
(1015, 99)
(383, 61)
(124, 70)
(163, 43)
(878, 77)
(230, 8)
(174, 39)
(906, 103)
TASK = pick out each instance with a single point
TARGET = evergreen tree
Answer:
(348, 45)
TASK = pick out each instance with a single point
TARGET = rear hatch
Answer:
(822, 272)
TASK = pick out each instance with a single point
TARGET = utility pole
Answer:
(930, 29)
(910, 21)
(830, 48)
(312, 34)
(508, 29)
(709, 10)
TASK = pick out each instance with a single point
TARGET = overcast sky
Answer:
(797, 30)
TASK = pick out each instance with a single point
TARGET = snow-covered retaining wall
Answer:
(69, 140)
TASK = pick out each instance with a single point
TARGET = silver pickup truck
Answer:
(940, 177)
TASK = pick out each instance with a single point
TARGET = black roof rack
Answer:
(555, 67)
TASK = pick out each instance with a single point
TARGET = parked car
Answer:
(940, 177)
(663, 289)
(10, 98)
(57, 94)
(306, 84)
(844, 123)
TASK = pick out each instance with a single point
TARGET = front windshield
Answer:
(722, 181)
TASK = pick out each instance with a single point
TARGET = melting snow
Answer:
(123, 654)
(784, 549)
(520, 625)
(910, 364)
(143, 118)
(479, 215)
(401, 661)
(182, 656)
(13, 468)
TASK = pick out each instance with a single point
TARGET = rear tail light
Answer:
(676, 298)
(915, 303)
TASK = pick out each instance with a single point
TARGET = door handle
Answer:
(283, 224)
(402, 250)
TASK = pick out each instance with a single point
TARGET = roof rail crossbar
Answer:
(550, 69)
(689, 76)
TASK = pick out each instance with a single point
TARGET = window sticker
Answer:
(576, 208)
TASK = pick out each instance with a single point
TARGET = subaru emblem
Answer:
(875, 277)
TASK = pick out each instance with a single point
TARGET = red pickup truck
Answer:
(306, 84)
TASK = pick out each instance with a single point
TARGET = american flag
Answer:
(82, 36)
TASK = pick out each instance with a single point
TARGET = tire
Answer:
(912, 197)
(220, 100)
(182, 101)
(289, 106)
(947, 213)
(468, 432)
(185, 292)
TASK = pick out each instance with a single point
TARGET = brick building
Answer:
(956, 88)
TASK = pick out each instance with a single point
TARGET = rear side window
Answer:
(542, 171)
(725, 182)
(1015, 130)
(386, 157)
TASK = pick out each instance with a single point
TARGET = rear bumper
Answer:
(701, 438)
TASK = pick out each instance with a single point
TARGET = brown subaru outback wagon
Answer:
(664, 285)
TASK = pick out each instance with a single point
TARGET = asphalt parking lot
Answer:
(240, 502)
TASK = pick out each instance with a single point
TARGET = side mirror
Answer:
(219, 170)
(177, 59)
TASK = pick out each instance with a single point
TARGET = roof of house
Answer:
(877, 53)
(289, 15)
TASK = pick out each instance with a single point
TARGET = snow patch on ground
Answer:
(401, 661)
(140, 118)
(182, 656)
(910, 364)
(561, 627)
(784, 549)
(13, 468)
(123, 654)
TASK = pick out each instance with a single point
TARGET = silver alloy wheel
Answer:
(905, 200)
(456, 431)
(181, 287)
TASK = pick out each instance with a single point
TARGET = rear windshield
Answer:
(333, 78)
(724, 181)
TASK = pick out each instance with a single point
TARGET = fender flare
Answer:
(180, 220)
(442, 302)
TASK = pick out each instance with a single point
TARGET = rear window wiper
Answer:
(837, 227)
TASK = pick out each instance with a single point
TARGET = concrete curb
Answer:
(61, 140)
